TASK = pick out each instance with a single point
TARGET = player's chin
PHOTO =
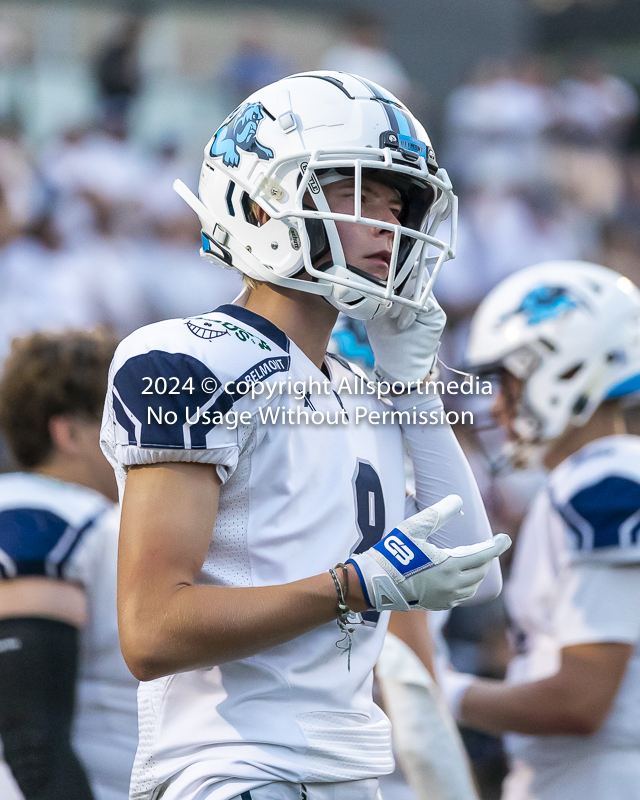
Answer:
(377, 268)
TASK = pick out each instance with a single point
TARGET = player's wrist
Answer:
(454, 686)
(355, 596)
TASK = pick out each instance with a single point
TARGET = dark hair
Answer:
(46, 375)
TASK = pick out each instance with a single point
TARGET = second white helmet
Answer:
(571, 331)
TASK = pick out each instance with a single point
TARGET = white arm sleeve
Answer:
(440, 468)
(425, 736)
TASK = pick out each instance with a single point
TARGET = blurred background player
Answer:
(68, 715)
(564, 339)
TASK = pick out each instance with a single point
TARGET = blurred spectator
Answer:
(117, 70)
(100, 177)
(254, 64)
(17, 175)
(594, 108)
(500, 232)
(172, 278)
(40, 290)
(594, 112)
(620, 249)
(162, 206)
(178, 282)
(363, 53)
(496, 123)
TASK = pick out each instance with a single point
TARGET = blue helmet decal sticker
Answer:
(239, 132)
(545, 303)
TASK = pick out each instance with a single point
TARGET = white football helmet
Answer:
(571, 331)
(280, 147)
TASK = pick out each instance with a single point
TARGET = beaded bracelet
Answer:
(344, 612)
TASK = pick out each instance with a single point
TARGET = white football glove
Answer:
(405, 346)
(403, 571)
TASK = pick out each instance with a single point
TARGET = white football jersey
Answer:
(575, 580)
(65, 531)
(296, 499)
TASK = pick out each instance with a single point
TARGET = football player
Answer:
(58, 552)
(253, 465)
(565, 340)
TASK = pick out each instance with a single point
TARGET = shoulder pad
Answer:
(39, 533)
(169, 370)
(604, 520)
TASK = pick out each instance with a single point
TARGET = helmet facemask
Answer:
(517, 445)
(413, 264)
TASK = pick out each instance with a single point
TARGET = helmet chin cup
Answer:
(348, 300)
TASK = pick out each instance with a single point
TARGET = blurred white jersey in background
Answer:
(576, 580)
(71, 532)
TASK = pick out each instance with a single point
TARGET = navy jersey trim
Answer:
(261, 324)
(36, 541)
(155, 415)
(605, 514)
(342, 361)
(256, 374)
(60, 555)
(27, 536)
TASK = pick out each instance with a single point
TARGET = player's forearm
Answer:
(202, 626)
(440, 468)
(540, 708)
(413, 630)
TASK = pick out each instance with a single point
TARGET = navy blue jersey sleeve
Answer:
(157, 394)
(178, 388)
(35, 541)
(604, 519)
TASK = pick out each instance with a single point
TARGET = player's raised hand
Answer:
(404, 571)
(405, 346)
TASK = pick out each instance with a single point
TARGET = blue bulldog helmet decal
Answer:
(544, 303)
(239, 132)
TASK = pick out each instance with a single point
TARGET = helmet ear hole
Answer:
(580, 404)
(249, 210)
(570, 373)
(318, 239)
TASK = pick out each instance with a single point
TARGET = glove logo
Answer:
(398, 550)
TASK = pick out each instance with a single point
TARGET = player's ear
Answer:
(60, 431)
(66, 438)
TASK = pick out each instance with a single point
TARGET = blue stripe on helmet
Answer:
(403, 123)
(626, 387)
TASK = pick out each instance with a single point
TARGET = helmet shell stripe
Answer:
(399, 121)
